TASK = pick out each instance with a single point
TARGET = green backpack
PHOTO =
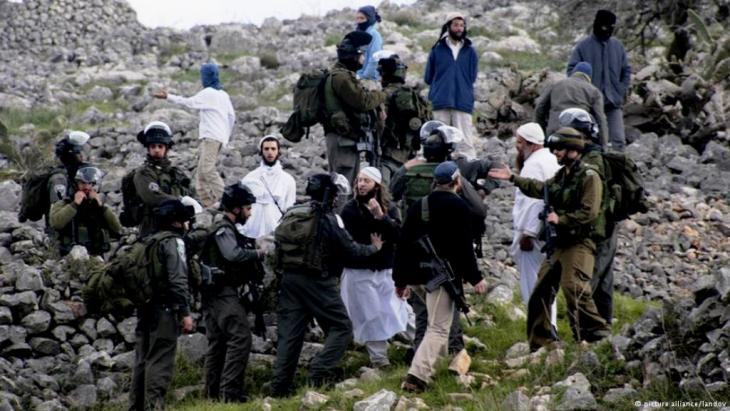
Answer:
(297, 246)
(35, 201)
(419, 184)
(625, 187)
(308, 99)
(132, 205)
(130, 279)
(411, 107)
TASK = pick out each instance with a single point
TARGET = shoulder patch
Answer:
(221, 231)
(180, 245)
(154, 187)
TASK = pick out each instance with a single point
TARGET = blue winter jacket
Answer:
(369, 70)
(452, 81)
(611, 70)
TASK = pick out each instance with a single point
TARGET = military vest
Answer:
(565, 198)
(236, 274)
(88, 228)
(169, 180)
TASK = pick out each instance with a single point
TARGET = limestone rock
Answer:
(313, 400)
(382, 400)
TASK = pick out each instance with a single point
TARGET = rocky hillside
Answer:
(89, 65)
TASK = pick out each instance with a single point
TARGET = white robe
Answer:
(376, 312)
(541, 165)
(274, 189)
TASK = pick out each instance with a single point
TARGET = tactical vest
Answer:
(236, 274)
(407, 111)
(170, 181)
(87, 229)
(565, 198)
(339, 118)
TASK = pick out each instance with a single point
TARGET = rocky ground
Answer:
(90, 65)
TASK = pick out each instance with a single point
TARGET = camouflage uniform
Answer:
(155, 182)
(347, 102)
(576, 195)
(88, 224)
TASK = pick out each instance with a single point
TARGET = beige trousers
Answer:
(463, 122)
(435, 344)
(208, 182)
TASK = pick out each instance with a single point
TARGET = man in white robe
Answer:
(274, 188)
(533, 161)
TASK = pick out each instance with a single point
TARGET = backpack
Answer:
(35, 201)
(130, 279)
(411, 105)
(625, 187)
(133, 207)
(298, 247)
(419, 184)
(308, 105)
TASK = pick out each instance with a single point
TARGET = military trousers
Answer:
(208, 182)
(456, 334)
(602, 280)
(154, 358)
(301, 298)
(229, 344)
(440, 311)
(569, 269)
(342, 156)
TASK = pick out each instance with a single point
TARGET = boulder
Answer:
(382, 400)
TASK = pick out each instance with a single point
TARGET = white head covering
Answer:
(268, 137)
(373, 174)
(78, 138)
(455, 15)
(532, 132)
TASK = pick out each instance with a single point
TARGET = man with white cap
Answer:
(367, 287)
(274, 188)
(216, 125)
(451, 72)
(533, 161)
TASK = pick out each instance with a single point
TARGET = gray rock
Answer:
(17, 334)
(105, 328)
(4, 333)
(36, 322)
(107, 387)
(193, 347)
(313, 400)
(62, 332)
(126, 329)
(99, 93)
(24, 302)
(9, 195)
(124, 361)
(79, 340)
(382, 400)
(83, 374)
(517, 401)
(8, 221)
(29, 280)
(45, 346)
(104, 344)
(309, 350)
(6, 316)
(46, 381)
(100, 360)
(517, 350)
(78, 253)
(62, 312)
(615, 395)
(88, 327)
(51, 405)
(500, 295)
(20, 350)
(83, 397)
(576, 399)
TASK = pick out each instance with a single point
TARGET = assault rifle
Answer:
(442, 276)
(549, 232)
(368, 143)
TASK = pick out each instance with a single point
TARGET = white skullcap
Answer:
(268, 137)
(373, 174)
(78, 138)
(455, 15)
(532, 132)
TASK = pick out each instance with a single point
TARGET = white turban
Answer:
(532, 132)
(373, 174)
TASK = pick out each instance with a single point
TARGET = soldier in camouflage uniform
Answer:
(82, 219)
(576, 196)
(161, 320)
(158, 180)
(232, 258)
(350, 109)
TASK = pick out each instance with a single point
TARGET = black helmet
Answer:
(392, 67)
(172, 211)
(88, 174)
(580, 120)
(236, 195)
(353, 45)
(332, 184)
(566, 138)
(156, 132)
(71, 145)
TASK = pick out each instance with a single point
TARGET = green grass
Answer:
(494, 328)
(332, 39)
(524, 61)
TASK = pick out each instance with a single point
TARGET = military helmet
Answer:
(88, 174)
(172, 211)
(353, 44)
(71, 144)
(580, 120)
(390, 65)
(319, 184)
(156, 132)
(566, 138)
(236, 195)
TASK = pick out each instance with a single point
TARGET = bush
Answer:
(269, 61)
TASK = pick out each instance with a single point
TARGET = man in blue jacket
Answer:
(611, 72)
(451, 72)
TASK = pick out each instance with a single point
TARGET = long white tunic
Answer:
(376, 312)
(275, 191)
(541, 165)
(216, 113)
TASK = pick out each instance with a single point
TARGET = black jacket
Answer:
(360, 223)
(450, 231)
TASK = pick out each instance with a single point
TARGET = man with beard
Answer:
(533, 161)
(234, 258)
(451, 72)
(157, 180)
(575, 194)
(162, 319)
(274, 188)
(367, 287)
(351, 116)
(611, 72)
(216, 125)
(84, 219)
